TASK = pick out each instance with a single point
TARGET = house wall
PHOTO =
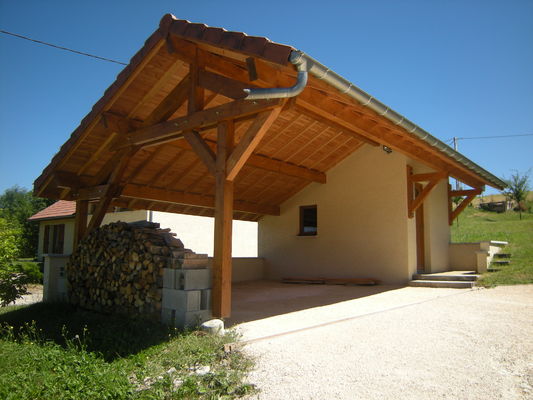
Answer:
(124, 216)
(363, 229)
(197, 233)
(68, 238)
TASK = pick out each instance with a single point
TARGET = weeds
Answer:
(65, 353)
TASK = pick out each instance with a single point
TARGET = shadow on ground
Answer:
(262, 299)
(111, 335)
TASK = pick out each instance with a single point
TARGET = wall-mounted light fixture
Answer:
(387, 150)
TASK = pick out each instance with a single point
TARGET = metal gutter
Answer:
(321, 72)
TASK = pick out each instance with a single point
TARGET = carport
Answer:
(214, 123)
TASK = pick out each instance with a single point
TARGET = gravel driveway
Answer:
(466, 344)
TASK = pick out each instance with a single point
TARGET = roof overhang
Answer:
(146, 124)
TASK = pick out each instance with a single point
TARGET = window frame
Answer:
(302, 225)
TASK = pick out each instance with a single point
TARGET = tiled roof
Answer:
(60, 209)
(256, 46)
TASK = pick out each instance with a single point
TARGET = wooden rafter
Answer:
(202, 150)
(270, 164)
(249, 141)
(180, 197)
(469, 194)
(80, 221)
(112, 190)
(320, 115)
(432, 180)
(172, 129)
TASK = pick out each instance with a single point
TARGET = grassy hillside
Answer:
(476, 225)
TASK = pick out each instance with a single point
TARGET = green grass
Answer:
(67, 353)
(475, 225)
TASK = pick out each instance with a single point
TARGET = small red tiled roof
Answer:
(60, 209)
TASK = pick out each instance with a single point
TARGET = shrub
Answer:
(12, 285)
(30, 269)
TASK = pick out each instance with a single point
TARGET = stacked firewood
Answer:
(118, 268)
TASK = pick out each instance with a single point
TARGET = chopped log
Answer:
(118, 268)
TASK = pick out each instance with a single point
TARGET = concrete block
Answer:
(205, 299)
(169, 278)
(194, 263)
(181, 300)
(193, 279)
(191, 319)
(168, 316)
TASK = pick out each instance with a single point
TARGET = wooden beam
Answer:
(326, 118)
(110, 192)
(170, 103)
(80, 221)
(431, 178)
(170, 130)
(470, 195)
(410, 191)
(202, 150)
(91, 193)
(222, 262)
(250, 140)
(273, 165)
(220, 84)
(466, 192)
(281, 167)
(142, 192)
(425, 177)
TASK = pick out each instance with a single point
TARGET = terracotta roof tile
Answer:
(237, 41)
(60, 209)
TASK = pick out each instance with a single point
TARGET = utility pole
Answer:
(457, 184)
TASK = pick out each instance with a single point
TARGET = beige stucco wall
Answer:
(363, 229)
(68, 238)
(463, 255)
(246, 268)
(197, 233)
(124, 216)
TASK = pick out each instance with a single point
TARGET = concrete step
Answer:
(501, 262)
(435, 277)
(490, 269)
(442, 284)
(502, 255)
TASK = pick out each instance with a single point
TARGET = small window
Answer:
(308, 221)
(54, 239)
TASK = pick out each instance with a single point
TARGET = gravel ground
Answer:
(470, 344)
(35, 295)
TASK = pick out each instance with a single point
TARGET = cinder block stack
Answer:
(186, 289)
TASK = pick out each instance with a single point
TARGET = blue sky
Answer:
(456, 68)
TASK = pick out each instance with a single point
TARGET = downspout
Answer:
(300, 62)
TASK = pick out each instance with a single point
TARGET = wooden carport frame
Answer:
(224, 165)
(219, 64)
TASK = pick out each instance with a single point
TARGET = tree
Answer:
(16, 206)
(517, 188)
(9, 242)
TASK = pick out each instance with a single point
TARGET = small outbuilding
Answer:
(215, 123)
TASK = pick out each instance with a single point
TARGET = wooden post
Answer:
(80, 222)
(222, 265)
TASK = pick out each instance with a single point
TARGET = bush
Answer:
(29, 268)
(12, 285)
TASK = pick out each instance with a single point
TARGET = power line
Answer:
(61, 47)
(487, 137)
